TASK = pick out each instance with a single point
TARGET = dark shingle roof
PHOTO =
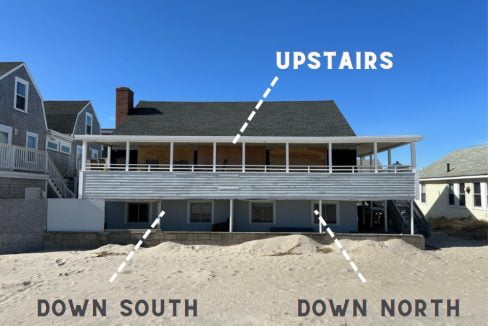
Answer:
(464, 162)
(298, 118)
(7, 66)
(61, 115)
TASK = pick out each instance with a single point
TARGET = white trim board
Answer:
(23, 175)
(11, 70)
(467, 177)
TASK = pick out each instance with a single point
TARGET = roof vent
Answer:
(448, 167)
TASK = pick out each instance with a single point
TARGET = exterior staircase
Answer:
(56, 181)
(399, 213)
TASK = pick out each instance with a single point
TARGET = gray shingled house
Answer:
(25, 169)
(294, 157)
(66, 119)
(456, 186)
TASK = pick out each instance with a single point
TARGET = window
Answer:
(79, 154)
(423, 195)
(88, 124)
(52, 144)
(65, 147)
(329, 212)
(200, 212)
(462, 195)
(477, 194)
(21, 94)
(138, 212)
(451, 194)
(262, 212)
(5, 134)
(31, 140)
(94, 154)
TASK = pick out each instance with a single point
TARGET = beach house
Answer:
(456, 186)
(294, 157)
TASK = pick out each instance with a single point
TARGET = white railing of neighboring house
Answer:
(22, 159)
(57, 179)
(91, 166)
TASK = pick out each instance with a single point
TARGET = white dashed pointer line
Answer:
(340, 247)
(256, 108)
(156, 221)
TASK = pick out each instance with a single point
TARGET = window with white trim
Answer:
(477, 194)
(88, 124)
(5, 134)
(138, 212)
(21, 94)
(262, 212)
(65, 147)
(31, 140)
(462, 195)
(329, 212)
(52, 144)
(200, 212)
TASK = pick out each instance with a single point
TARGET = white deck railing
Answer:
(90, 166)
(22, 159)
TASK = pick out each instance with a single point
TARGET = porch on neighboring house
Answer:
(22, 162)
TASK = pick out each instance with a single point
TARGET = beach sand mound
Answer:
(393, 245)
(278, 246)
(111, 250)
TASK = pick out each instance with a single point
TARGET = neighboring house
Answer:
(456, 185)
(25, 168)
(294, 157)
(66, 119)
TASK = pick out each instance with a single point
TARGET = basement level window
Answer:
(477, 194)
(200, 212)
(138, 213)
(262, 212)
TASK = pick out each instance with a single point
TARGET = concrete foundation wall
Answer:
(79, 240)
(22, 225)
(14, 188)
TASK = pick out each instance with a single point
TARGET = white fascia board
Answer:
(22, 175)
(58, 134)
(485, 176)
(248, 139)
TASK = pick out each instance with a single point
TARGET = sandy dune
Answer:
(255, 283)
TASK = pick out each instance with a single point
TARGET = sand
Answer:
(254, 283)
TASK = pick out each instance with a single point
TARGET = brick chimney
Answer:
(124, 104)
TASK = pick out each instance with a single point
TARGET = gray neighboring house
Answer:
(26, 171)
(456, 186)
(66, 119)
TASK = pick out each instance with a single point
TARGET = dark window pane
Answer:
(200, 212)
(20, 104)
(262, 212)
(133, 213)
(330, 213)
(451, 194)
(477, 200)
(20, 89)
(477, 188)
(143, 213)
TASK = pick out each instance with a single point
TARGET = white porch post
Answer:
(389, 157)
(83, 155)
(413, 160)
(320, 212)
(231, 215)
(330, 158)
(375, 146)
(214, 157)
(411, 218)
(386, 216)
(171, 155)
(287, 157)
(109, 156)
(243, 157)
(127, 155)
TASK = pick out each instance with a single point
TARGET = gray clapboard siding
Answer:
(186, 185)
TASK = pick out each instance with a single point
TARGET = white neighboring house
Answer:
(456, 185)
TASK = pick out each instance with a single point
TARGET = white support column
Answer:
(389, 157)
(375, 147)
(214, 157)
(330, 158)
(411, 218)
(231, 215)
(83, 155)
(287, 157)
(413, 159)
(127, 155)
(243, 157)
(386, 215)
(320, 212)
(171, 155)
(109, 156)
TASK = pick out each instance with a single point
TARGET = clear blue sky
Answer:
(225, 50)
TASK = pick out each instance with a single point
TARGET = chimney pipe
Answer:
(448, 167)
(124, 104)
